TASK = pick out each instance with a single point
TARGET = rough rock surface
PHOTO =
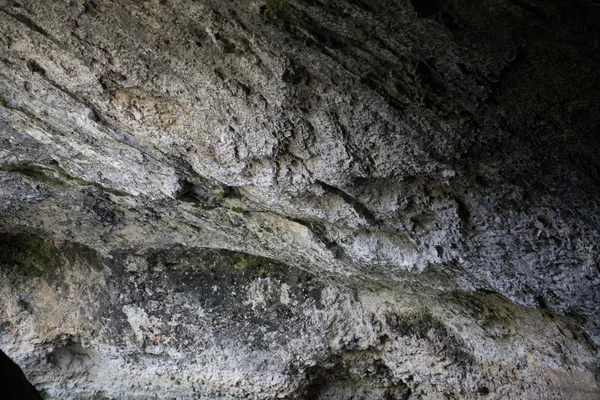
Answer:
(301, 199)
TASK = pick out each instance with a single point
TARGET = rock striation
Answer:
(301, 199)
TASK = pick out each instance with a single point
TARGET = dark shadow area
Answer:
(13, 383)
(358, 376)
(426, 8)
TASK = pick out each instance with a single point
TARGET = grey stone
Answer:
(301, 199)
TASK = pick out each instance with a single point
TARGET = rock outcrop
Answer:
(301, 199)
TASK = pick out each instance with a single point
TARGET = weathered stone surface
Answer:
(218, 323)
(301, 199)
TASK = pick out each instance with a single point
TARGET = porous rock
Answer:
(301, 199)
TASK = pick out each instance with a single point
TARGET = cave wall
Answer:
(394, 198)
(218, 323)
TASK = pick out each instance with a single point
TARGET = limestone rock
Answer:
(301, 199)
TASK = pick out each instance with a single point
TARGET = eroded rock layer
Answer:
(301, 199)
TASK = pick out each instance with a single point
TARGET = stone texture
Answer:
(301, 199)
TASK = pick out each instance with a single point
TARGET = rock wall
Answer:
(301, 199)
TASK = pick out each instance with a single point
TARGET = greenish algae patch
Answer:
(83, 182)
(222, 261)
(3, 102)
(53, 176)
(29, 255)
(258, 265)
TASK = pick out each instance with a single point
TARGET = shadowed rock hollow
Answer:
(298, 199)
